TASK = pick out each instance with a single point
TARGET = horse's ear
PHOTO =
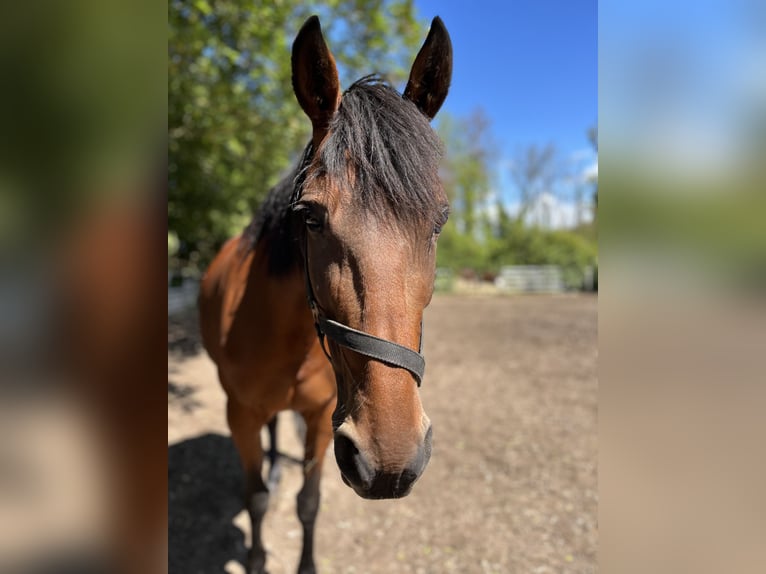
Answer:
(315, 77)
(432, 71)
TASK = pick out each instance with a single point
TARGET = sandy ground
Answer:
(511, 389)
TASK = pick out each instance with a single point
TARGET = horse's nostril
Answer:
(405, 481)
(417, 465)
(352, 463)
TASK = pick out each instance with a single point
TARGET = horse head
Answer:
(372, 208)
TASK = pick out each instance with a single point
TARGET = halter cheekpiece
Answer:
(371, 346)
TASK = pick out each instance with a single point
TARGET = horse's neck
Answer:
(270, 292)
(280, 295)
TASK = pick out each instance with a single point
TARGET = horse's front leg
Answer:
(308, 508)
(245, 428)
(318, 436)
(275, 468)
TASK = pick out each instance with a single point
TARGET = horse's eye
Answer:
(312, 217)
(439, 224)
(313, 223)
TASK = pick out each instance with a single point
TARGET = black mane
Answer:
(394, 155)
(274, 223)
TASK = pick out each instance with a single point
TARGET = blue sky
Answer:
(684, 82)
(532, 67)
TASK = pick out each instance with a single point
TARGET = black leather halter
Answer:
(376, 348)
(380, 349)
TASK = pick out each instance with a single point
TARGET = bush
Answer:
(569, 250)
(457, 251)
(573, 251)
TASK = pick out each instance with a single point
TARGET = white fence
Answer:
(530, 279)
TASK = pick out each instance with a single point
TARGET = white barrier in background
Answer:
(530, 279)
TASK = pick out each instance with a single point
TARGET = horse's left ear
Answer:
(315, 77)
(432, 71)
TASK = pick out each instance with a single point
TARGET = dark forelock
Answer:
(391, 149)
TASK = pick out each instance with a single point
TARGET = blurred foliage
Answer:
(459, 251)
(516, 243)
(235, 126)
(82, 209)
(484, 239)
(519, 244)
(465, 173)
(82, 108)
(534, 170)
(714, 224)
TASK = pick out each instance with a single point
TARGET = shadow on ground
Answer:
(182, 396)
(184, 337)
(204, 495)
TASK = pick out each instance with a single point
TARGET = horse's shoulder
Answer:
(223, 286)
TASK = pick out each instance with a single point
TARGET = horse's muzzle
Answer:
(368, 482)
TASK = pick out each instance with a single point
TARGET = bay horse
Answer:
(353, 229)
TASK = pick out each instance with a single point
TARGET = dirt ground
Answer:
(511, 389)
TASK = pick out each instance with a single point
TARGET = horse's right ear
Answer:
(431, 73)
(315, 77)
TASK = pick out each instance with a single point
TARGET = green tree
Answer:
(234, 126)
(466, 169)
(593, 138)
(466, 173)
(534, 170)
(81, 110)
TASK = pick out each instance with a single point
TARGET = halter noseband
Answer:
(369, 345)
